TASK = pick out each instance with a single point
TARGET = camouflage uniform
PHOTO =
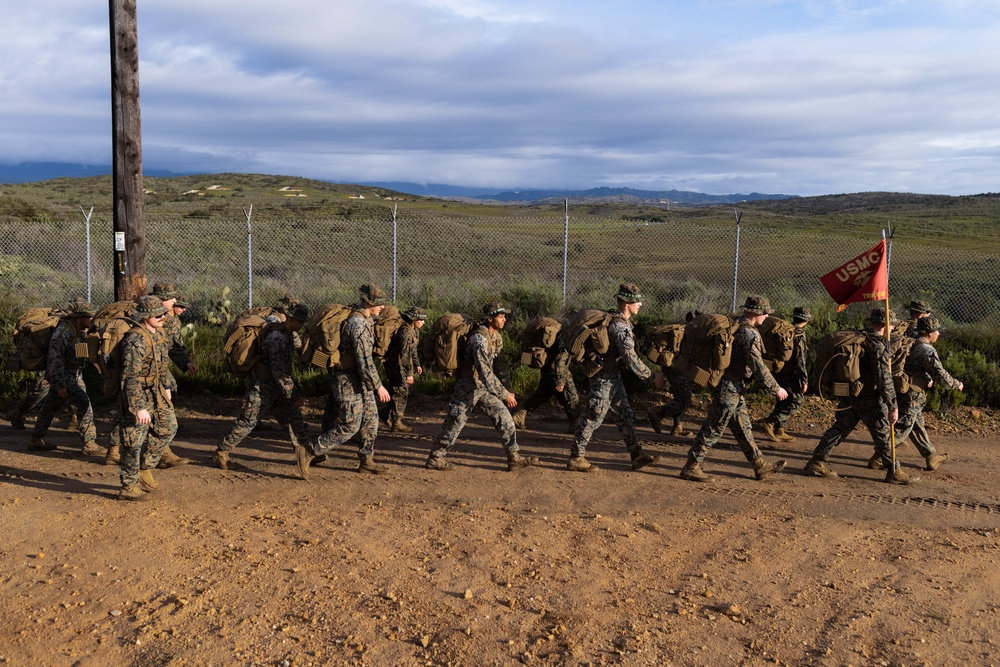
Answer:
(680, 387)
(64, 370)
(607, 390)
(922, 364)
(482, 380)
(729, 407)
(173, 345)
(351, 407)
(872, 406)
(401, 362)
(145, 384)
(794, 377)
(31, 402)
(270, 386)
(555, 373)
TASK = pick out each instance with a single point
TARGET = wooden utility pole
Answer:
(129, 208)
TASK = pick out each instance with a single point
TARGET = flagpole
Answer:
(888, 345)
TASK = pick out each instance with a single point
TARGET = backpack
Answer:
(585, 337)
(111, 323)
(838, 358)
(441, 349)
(321, 337)
(242, 348)
(386, 326)
(707, 348)
(899, 351)
(262, 312)
(32, 334)
(540, 334)
(777, 337)
(663, 342)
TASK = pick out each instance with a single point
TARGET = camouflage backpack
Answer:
(386, 326)
(663, 342)
(899, 351)
(111, 323)
(838, 360)
(321, 338)
(540, 335)
(32, 334)
(777, 337)
(586, 339)
(441, 349)
(707, 348)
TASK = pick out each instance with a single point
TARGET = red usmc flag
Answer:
(864, 278)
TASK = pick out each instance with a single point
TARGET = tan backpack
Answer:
(32, 334)
(540, 335)
(777, 337)
(441, 349)
(838, 358)
(385, 327)
(586, 339)
(242, 347)
(109, 354)
(707, 348)
(899, 350)
(321, 337)
(663, 342)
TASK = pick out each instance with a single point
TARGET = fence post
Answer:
(86, 220)
(736, 257)
(247, 214)
(888, 254)
(394, 206)
(565, 249)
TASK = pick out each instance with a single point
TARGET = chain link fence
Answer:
(455, 262)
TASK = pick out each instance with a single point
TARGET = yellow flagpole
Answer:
(888, 344)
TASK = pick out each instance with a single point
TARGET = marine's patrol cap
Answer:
(491, 310)
(919, 307)
(415, 313)
(802, 314)
(758, 305)
(147, 307)
(373, 295)
(926, 325)
(629, 293)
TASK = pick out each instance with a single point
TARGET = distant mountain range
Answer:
(29, 172)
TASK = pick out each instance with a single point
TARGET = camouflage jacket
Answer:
(276, 353)
(173, 343)
(358, 338)
(145, 372)
(875, 370)
(747, 360)
(484, 361)
(924, 364)
(61, 364)
(557, 365)
(622, 347)
(402, 353)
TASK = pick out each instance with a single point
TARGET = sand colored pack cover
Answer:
(386, 326)
(662, 343)
(242, 345)
(32, 334)
(586, 339)
(777, 337)
(321, 337)
(707, 348)
(838, 363)
(540, 334)
(441, 349)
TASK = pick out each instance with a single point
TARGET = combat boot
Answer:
(581, 464)
(170, 460)
(783, 435)
(678, 431)
(113, 455)
(762, 469)
(91, 448)
(899, 477)
(437, 463)
(146, 481)
(641, 459)
(16, 421)
(693, 473)
(303, 459)
(398, 426)
(817, 468)
(73, 423)
(36, 444)
(519, 416)
(875, 462)
(367, 464)
(934, 461)
(515, 461)
(655, 421)
(221, 459)
(767, 427)
(132, 492)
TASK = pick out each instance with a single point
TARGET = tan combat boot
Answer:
(91, 448)
(170, 460)
(38, 445)
(515, 461)
(875, 462)
(146, 481)
(580, 464)
(762, 470)
(767, 427)
(783, 435)
(899, 477)
(437, 463)
(519, 416)
(221, 459)
(678, 431)
(132, 492)
(693, 473)
(817, 468)
(641, 459)
(399, 427)
(367, 464)
(655, 421)
(73, 423)
(934, 461)
(113, 456)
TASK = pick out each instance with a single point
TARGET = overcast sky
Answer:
(796, 97)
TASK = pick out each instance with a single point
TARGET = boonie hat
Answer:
(629, 293)
(148, 306)
(299, 312)
(286, 303)
(165, 291)
(926, 325)
(758, 305)
(415, 313)
(373, 295)
(919, 307)
(802, 314)
(491, 310)
(877, 316)
(80, 307)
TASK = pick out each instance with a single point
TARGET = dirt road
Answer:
(478, 566)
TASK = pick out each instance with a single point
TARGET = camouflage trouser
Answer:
(568, 398)
(33, 399)
(607, 392)
(783, 410)
(872, 412)
(728, 408)
(911, 413)
(78, 399)
(143, 444)
(465, 399)
(350, 411)
(263, 395)
(680, 387)
(919, 435)
(395, 409)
